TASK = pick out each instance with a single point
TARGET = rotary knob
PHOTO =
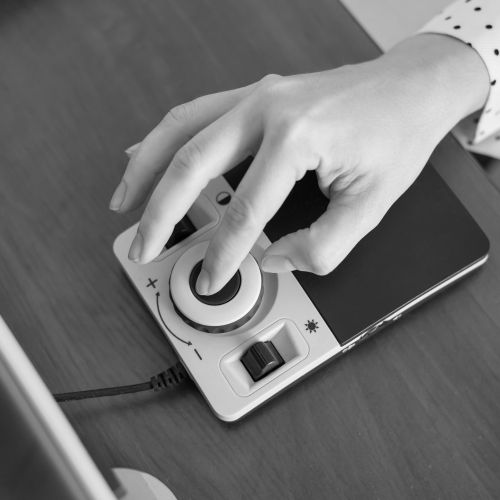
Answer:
(225, 311)
(222, 296)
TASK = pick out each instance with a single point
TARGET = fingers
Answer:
(214, 150)
(132, 149)
(259, 195)
(154, 153)
(323, 246)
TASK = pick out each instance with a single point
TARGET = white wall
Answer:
(389, 21)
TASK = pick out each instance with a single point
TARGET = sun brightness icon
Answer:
(311, 326)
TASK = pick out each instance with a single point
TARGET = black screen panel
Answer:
(425, 238)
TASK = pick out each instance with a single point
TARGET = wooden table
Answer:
(413, 413)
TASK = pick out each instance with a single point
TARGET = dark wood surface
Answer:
(413, 413)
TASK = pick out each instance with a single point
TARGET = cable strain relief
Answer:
(169, 378)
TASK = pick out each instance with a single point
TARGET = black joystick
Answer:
(222, 296)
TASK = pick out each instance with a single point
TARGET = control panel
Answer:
(244, 344)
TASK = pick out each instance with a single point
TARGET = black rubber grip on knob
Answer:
(222, 296)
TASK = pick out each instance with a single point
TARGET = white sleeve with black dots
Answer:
(477, 23)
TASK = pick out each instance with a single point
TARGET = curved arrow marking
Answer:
(165, 325)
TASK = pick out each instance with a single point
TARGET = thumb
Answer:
(325, 244)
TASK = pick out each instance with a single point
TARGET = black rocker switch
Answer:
(260, 359)
(182, 230)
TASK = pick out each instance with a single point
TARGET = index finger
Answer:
(207, 155)
(258, 197)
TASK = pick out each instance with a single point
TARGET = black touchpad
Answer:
(426, 237)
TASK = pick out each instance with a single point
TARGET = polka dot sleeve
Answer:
(477, 23)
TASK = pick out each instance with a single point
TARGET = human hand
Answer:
(367, 130)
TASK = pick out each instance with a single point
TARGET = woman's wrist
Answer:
(449, 78)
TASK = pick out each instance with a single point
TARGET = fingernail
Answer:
(203, 283)
(118, 196)
(276, 264)
(130, 151)
(135, 251)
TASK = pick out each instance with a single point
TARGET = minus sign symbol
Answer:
(198, 354)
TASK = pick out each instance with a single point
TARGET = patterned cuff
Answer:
(476, 23)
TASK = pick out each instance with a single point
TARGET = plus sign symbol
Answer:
(151, 283)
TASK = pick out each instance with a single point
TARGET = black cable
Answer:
(167, 379)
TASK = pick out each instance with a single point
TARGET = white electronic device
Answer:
(212, 342)
(263, 332)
